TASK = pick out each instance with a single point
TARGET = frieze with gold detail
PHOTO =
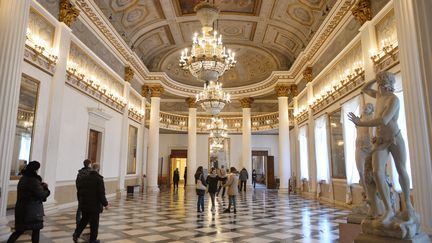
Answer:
(68, 12)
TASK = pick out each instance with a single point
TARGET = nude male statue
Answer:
(388, 140)
(363, 142)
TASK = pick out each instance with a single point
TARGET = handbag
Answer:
(200, 186)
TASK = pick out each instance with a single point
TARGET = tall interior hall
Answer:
(151, 89)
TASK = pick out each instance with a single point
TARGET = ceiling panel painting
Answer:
(248, 7)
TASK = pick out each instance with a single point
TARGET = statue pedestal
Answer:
(348, 232)
(397, 229)
(358, 213)
(363, 238)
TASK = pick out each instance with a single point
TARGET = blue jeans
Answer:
(200, 203)
(232, 202)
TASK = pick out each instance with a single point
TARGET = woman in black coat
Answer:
(29, 210)
(212, 181)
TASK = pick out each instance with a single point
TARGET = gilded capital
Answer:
(307, 74)
(282, 90)
(294, 90)
(145, 91)
(68, 13)
(191, 101)
(246, 102)
(128, 74)
(362, 11)
(156, 90)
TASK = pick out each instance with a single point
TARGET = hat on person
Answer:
(33, 166)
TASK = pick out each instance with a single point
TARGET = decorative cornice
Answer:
(362, 11)
(307, 74)
(191, 101)
(156, 90)
(282, 90)
(246, 102)
(68, 13)
(128, 74)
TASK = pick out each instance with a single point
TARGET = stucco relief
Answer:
(386, 30)
(239, 6)
(92, 42)
(52, 6)
(41, 28)
(300, 14)
(339, 70)
(92, 70)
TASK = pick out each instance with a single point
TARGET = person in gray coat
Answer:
(244, 176)
(232, 184)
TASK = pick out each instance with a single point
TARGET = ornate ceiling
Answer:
(267, 35)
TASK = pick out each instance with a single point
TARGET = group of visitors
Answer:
(32, 192)
(218, 180)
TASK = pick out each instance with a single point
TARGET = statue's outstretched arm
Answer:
(391, 109)
(367, 89)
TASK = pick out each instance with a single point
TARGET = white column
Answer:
(124, 141)
(368, 42)
(413, 21)
(144, 139)
(246, 142)
(311, 142)
(296, 169)
(13, 19)
(192, 145)
(153, 153)
(284, 147)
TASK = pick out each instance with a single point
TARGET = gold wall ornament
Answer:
(68, 13)
(282, 90)
(145, 90)
(156, 90)
(362, 11)
(191, 101)
(307, 74)
(128, 74)
(246, 102)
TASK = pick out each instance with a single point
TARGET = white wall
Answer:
(179, 141)
(74, 136)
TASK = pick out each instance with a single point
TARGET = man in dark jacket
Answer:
(176, 178)
(91, 200)
(84, 171)
(29, 210)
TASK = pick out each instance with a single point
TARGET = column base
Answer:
(5, 229)
(152, 189)
(50, 207)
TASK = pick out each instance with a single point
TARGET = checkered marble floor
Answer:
(262, 216)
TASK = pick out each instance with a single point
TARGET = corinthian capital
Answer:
(68, 13)
(246, 102)
(191, 101)
(362, 11)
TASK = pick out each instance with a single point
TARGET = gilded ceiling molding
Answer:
(68, 13)
(128, 74)
(362, 11)
(156, 90)
(307, 74)
(282, 90)
(246, 102)
(191, 101)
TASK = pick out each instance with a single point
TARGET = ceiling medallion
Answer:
(213, 99)
(208, 59)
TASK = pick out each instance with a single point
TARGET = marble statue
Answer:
(388, 140)
(363, 142)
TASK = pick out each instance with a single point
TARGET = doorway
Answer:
(178, 159)
(259, 160)
(94, 146)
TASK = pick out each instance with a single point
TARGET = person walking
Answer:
(185, 177)
(222, 180)
(84, 171)
(91, 200)
(176, 178)
(29, 212)
(200, 188)
(243, 178)
(232, 184)
(212, 181)
(254, 177)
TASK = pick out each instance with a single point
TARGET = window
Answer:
(337, 145)
(321, 149)
(132, 150)
(24, 126)
(349, 135)
(304, 167)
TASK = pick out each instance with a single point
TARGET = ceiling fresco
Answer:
(267, 35)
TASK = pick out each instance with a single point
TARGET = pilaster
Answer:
(311, 142)
(124, 139)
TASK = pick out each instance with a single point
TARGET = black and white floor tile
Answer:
(262, 216)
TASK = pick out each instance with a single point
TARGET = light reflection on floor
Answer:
(262, 216)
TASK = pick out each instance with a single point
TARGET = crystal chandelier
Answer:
(218, 130)
(215, 146)
(208, 59)
(213, 99)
